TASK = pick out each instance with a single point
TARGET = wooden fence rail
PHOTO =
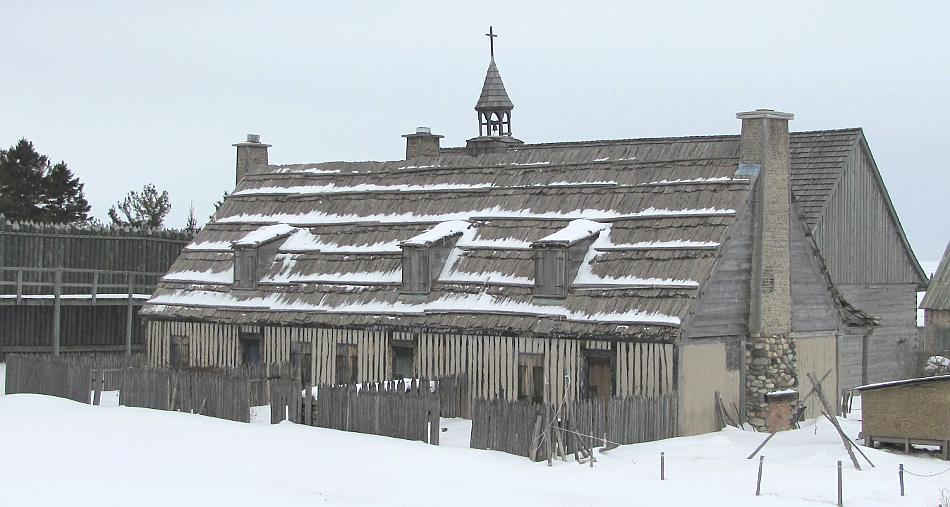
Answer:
(517, 427)
(392, 409)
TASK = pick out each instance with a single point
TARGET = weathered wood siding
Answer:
(210, 344)
(850, 360)
(891, 346)
(723, 306)
(57, 246)
(81, 326)
(708, 367)
(813, 307)
(817, 355)
(858, 237)
(489, 362)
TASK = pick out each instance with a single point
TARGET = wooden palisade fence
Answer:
(396, 409)
(222, 394)
(519, 427)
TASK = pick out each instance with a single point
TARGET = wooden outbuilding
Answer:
(907, 412)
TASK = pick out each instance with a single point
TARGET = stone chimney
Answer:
(422, 144)
(251, 156)
(771, 367)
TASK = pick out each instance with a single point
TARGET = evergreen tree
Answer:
(32, 189)
(191, 223)
(218, 204)
(63, 199)
(146, 209)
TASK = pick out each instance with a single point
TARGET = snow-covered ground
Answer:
(58, 452)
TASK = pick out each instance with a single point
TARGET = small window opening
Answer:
(531, 378)
(404, 355)
(180, 352)
(250, 348)
(301, 357)
(346, 364)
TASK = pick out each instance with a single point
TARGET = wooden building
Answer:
(936, 306)
(631, 267)
(68, 287)
(907, 412)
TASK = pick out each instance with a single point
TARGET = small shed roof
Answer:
(906, 382)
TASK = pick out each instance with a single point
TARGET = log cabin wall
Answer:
(491, 363)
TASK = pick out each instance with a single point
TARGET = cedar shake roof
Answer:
(667, 204)
(494, 96)
(938, 293)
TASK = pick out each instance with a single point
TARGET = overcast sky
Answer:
(129, 94)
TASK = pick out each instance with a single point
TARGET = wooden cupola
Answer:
(255, 252)
(558, 256)
(424, 255)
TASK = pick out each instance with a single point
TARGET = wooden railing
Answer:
(29, 284)
(24, 282)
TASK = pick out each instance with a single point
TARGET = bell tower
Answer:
(493, 110)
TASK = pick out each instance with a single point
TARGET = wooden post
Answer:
(547, 419)
(662, 466)
(840, 489)
(96, 389)
(129, 315)
(95, 285)
(19, 286)
(758, 482)
(57, 303)
(900, 473)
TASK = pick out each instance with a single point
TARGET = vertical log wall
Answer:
(489, 362)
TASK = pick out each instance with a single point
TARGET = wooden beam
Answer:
(57, 292)
(129, 315)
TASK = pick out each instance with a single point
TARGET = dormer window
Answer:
(245, 268)
(424, 255)
(558, 256)
(254, 252)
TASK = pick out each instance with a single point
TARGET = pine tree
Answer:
(146, 209)
(63, 197)
(218, 204)
(32, 189)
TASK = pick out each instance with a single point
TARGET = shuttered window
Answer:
(531, 378)
(416, 278)
(245, 268)
(346, 364)
(301, 357)
(550, 265)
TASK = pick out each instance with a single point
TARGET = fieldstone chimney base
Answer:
(771, 367)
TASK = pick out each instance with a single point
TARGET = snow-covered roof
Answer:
(657, 210)
(264, 234)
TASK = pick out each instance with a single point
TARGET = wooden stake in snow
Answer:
(758, 482)
(900, 473)
(840, 489)
(662, 467)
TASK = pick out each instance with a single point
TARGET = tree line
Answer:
(32, 188)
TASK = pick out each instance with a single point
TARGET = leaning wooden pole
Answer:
(834, 422)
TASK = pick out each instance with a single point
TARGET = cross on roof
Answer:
(491, 37)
